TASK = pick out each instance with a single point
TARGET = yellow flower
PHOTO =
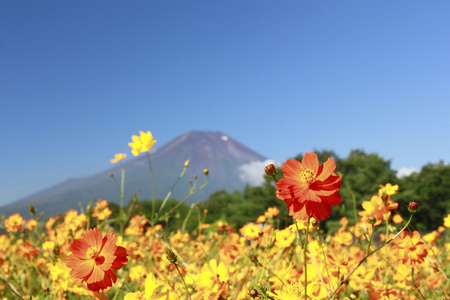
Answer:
(447, 221)
(151, 286)
(118, 157)
(284, 238)
(31, 224)
(250, 231)
(142, 143)
(271, 212)
(211, 275)
(388, 190)
(136, 226)
(14, 223)
(136, 273)
(302, 224)
(151, 291)
(101, 210)
(397, 219)
(261, 219)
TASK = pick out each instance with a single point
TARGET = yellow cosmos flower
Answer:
(284, 238)
(211, 275)
(31, 224)
(447, 221)
(137, 273)
(142, 143)
(271, 212)
(118, 157)
(136, 226)
(302, 224)
(250, 231)
(387, 190)
(101, 210)
(14, 223)
(397, 219)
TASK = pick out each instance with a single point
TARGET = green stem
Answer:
(183, 227)
(304, 258)
(191, 192)
(370, 240)
(184, 283)
(265, 263)
(10, 286)
(171, 190)
(415, 285)
(386, 249)
(122, 186)
(153, 185)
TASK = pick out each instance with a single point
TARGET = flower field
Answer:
(89, 253)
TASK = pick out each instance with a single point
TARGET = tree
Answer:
(431, 189)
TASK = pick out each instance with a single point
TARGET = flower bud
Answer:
(186, 163)
(171, 256)
(372, 220)
(413, 207)
(32, 210)
(111, 175)
(270, 170)
(205, 171)
(253, 293)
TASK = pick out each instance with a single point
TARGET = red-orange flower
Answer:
(410, 249)
(309, 189)
(93, 259)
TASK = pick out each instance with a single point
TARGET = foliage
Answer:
(431, 188)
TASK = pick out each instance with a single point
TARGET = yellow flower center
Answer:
(91, 253)
(307, 176)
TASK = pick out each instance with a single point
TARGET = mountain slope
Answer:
(221, 154)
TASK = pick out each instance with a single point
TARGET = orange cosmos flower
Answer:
(377, 208)
(410, 249)
(309, 189)
(93, 259)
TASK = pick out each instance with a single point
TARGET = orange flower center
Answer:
(307, 176)
(91, 253)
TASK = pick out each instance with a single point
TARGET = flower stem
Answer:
(184, 282)
(265, 263)
(304, 258)
(122, 186)
(153, 185)
(386, 249)
(370, 240)
(171, 190)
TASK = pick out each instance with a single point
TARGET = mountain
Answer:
(229, 162)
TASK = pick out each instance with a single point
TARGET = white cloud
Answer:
(405, 171)
(253, 172)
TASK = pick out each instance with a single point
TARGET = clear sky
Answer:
(78, 78)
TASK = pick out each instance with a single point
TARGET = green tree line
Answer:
(362, 175)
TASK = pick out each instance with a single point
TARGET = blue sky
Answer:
(78, 78)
